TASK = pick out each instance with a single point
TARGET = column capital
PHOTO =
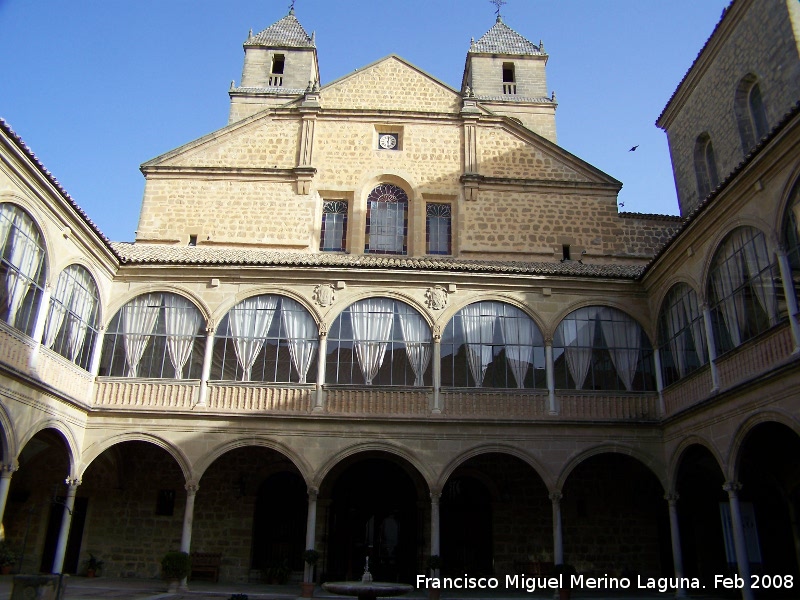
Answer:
(72, 482)
(732, 487)
(211, 329)
(436, 496)
(191, 488)
(8, 469)
(313, 493)
(548, 340)
(672, 497)
(556, 496)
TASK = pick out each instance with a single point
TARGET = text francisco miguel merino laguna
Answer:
(531, 584)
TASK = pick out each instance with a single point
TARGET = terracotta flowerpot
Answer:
(6, 569)
(90, 572)
(308, 589)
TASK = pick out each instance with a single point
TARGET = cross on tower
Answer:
(291, 6)
(498, 4)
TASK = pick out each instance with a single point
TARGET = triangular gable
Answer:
(511, 151)
(390, 84)
(260, 141)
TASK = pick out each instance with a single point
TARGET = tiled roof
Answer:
(650, 216)
(286, 33)
(269, 90)
(135, 254)
(501, 39)
(514, 98)
(51, 178)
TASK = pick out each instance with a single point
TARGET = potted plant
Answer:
(310, 557)
(7, 558)
(93, 565)
(564, 572)
(434, 563)
(175, 566)
(277, 573)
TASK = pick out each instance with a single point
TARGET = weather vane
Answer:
(291, 6)
(497, 3)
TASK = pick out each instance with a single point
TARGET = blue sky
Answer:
(97, 87)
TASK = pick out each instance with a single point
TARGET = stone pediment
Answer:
(390, 84)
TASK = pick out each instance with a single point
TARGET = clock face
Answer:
(388, 141)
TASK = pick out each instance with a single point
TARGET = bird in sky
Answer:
(634, 148)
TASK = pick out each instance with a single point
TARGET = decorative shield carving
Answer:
(324, 294)
(436, 297)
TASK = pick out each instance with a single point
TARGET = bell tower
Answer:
(279, 63)
(506, 73)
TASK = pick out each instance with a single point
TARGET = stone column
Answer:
(791, 297)
(38, 326)
(188, 519)
(435, 539)
(6, 471)
(322, 354)
(311, 532)
(437, 371)
(558, 538)
(202, 399)
(550, 375)
(675, 533)
(742, 560)
(712, 348)
(97, 351)
(662, 408)
(66, 521)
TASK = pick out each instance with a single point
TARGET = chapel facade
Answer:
(383, 317)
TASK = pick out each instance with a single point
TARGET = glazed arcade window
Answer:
(681, 334)
(437, 228)
(333, 234)
(387, 220)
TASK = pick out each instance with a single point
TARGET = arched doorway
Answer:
(615, 520)
(496, 518)
(376, 509)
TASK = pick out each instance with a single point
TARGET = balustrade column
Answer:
(662, 407)
(206, 372)
(38, 326)
(550, 375)
(712, 348)
(188, 519)
(739, 541)
(66, 521)
(437, 372)
(791, 298)
(6, 471)
(311, 532)
(675, 533)
(558, 536)
(322, 354)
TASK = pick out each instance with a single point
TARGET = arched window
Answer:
(266, 338)
(791, 234)
(493, 345)
(751, 118)
(379, 341)
(158, 335)
(71, 325)
(601, 348)
(387, 220)
(22, 269)
(705, 166)
(681, 334)
(741, 288)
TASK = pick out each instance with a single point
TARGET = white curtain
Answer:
(726, 282)
(25, 257)
(578, 333)
(698, 328)
(372, 321)
(81, 307)
(623, 337)
(519, 332)
(417, 336)
(250, 321)
(676, 322)
(386, 226)
(477, 323)
(139, 318)
(302, 333)
(756, 259)
(181, 322)
(59, 300)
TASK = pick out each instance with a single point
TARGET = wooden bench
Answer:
(205, 565)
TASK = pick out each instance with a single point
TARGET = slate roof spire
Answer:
(501, 39)
(286, 33)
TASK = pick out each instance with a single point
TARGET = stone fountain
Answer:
(366, 589)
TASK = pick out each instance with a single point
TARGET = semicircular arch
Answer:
(493, 448)
(678, 454)
(69, 437)
(452, 310)
(612, 448)
(204, 462)
(738, 439)
(117, 303)
(97, 448)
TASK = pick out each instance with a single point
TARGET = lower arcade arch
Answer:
(373, 504)
(495, 519)
(615, 520)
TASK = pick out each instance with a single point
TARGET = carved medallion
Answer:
(324, 294)
(436, 297)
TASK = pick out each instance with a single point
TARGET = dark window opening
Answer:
(565, 252)
(278, 62)
(193, 240)
(165, 504)
(508, 73)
